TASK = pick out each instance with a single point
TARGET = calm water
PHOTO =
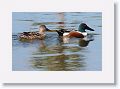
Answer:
(53, 54)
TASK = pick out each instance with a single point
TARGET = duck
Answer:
(34, 35)
(80, 33)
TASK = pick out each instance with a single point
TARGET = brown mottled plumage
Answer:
(34, 35)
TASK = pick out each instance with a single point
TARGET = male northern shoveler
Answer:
(34, 35)
(80, 33)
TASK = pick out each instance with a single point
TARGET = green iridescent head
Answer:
(83, 27)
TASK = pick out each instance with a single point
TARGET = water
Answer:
(53, 54)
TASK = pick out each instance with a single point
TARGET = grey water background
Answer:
(52, 54)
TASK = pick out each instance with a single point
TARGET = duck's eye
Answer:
(84, 25)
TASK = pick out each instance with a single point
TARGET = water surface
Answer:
(53, 54)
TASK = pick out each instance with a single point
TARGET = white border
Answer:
(104, 76)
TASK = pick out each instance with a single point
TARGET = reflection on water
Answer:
(60, 56)
(58, 62)
(85, 41)
(56, 53)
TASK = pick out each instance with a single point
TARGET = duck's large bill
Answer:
(88, 28)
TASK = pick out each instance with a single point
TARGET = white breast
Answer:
(65, 34)
(84, 33)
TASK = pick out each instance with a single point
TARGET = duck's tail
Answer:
(62, 31)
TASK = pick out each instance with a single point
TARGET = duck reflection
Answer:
(49, 49)
(60, 62)
(85, 41)
(82, 42)
(59, 47)
(57, 57)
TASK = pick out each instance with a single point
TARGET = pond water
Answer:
(53, 54)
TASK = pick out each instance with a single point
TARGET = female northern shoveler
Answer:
(80, 33)
(34, 35)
